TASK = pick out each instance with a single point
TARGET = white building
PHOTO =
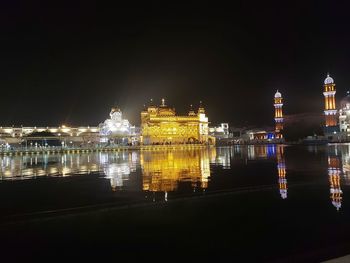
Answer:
(344, 114)
(116, 128)
(221, 131)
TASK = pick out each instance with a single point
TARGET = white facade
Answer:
(344, 115)
(116, 126)
(221, 130)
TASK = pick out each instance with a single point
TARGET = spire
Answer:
(163, 102)
(201, 108)
(191, 111)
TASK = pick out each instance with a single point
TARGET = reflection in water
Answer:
(221, 156)
(117, 167)
(164, 170)
(334, 180)
(257, 152)
(171, 170)
(345, 153)
(32, 166)
(281, 167)
(334, 172)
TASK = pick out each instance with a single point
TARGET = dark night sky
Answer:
(71, 64)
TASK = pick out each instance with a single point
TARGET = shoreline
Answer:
(102, 149)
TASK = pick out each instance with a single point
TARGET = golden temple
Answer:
(161, 125)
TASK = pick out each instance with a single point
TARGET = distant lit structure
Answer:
(330, 109)
(116, 127)
(334, 172)
(161, 125)
(344, 116)
(220, 131)
(268, 135)
(278, 104)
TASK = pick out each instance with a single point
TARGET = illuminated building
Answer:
(278, 104)
(116, 127)
(269, 135)
(161, 125)
(163, 170)
(344, 118)
(330, 110)
(221, 131)
(281, 167)
(334, 172)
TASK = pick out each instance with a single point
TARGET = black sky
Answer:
(71, 63)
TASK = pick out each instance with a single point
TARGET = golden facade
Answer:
(278, 104)
(330, 110)
(162, 171)
(161, 125)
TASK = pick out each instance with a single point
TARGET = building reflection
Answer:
(334, 172)
(345, 153)
(117, 167)
(281, 168)
(162, 171)
(221, 156)
(264, 151)
(33, 166)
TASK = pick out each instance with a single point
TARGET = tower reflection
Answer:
(162, 171)
(334, 172)
(281, 167)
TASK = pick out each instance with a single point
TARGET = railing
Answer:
(97, 148)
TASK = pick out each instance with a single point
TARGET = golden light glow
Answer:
(334, 181)
(278, 104)
(160, 125)
(330, 106)
(281, 167)
(162, 171)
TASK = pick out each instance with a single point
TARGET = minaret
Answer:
(278, 113)
(329, 101)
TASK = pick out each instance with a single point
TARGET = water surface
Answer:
(261, 203)
(68, 180)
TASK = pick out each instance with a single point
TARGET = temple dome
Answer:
(328, 80)
(278, 94)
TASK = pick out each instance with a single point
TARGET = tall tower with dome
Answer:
(278, 104)
(330, 110)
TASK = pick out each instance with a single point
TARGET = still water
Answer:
(39, 182)
(253, 203)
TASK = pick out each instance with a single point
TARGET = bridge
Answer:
(67, 135)
(79, 136)
(63, 130)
